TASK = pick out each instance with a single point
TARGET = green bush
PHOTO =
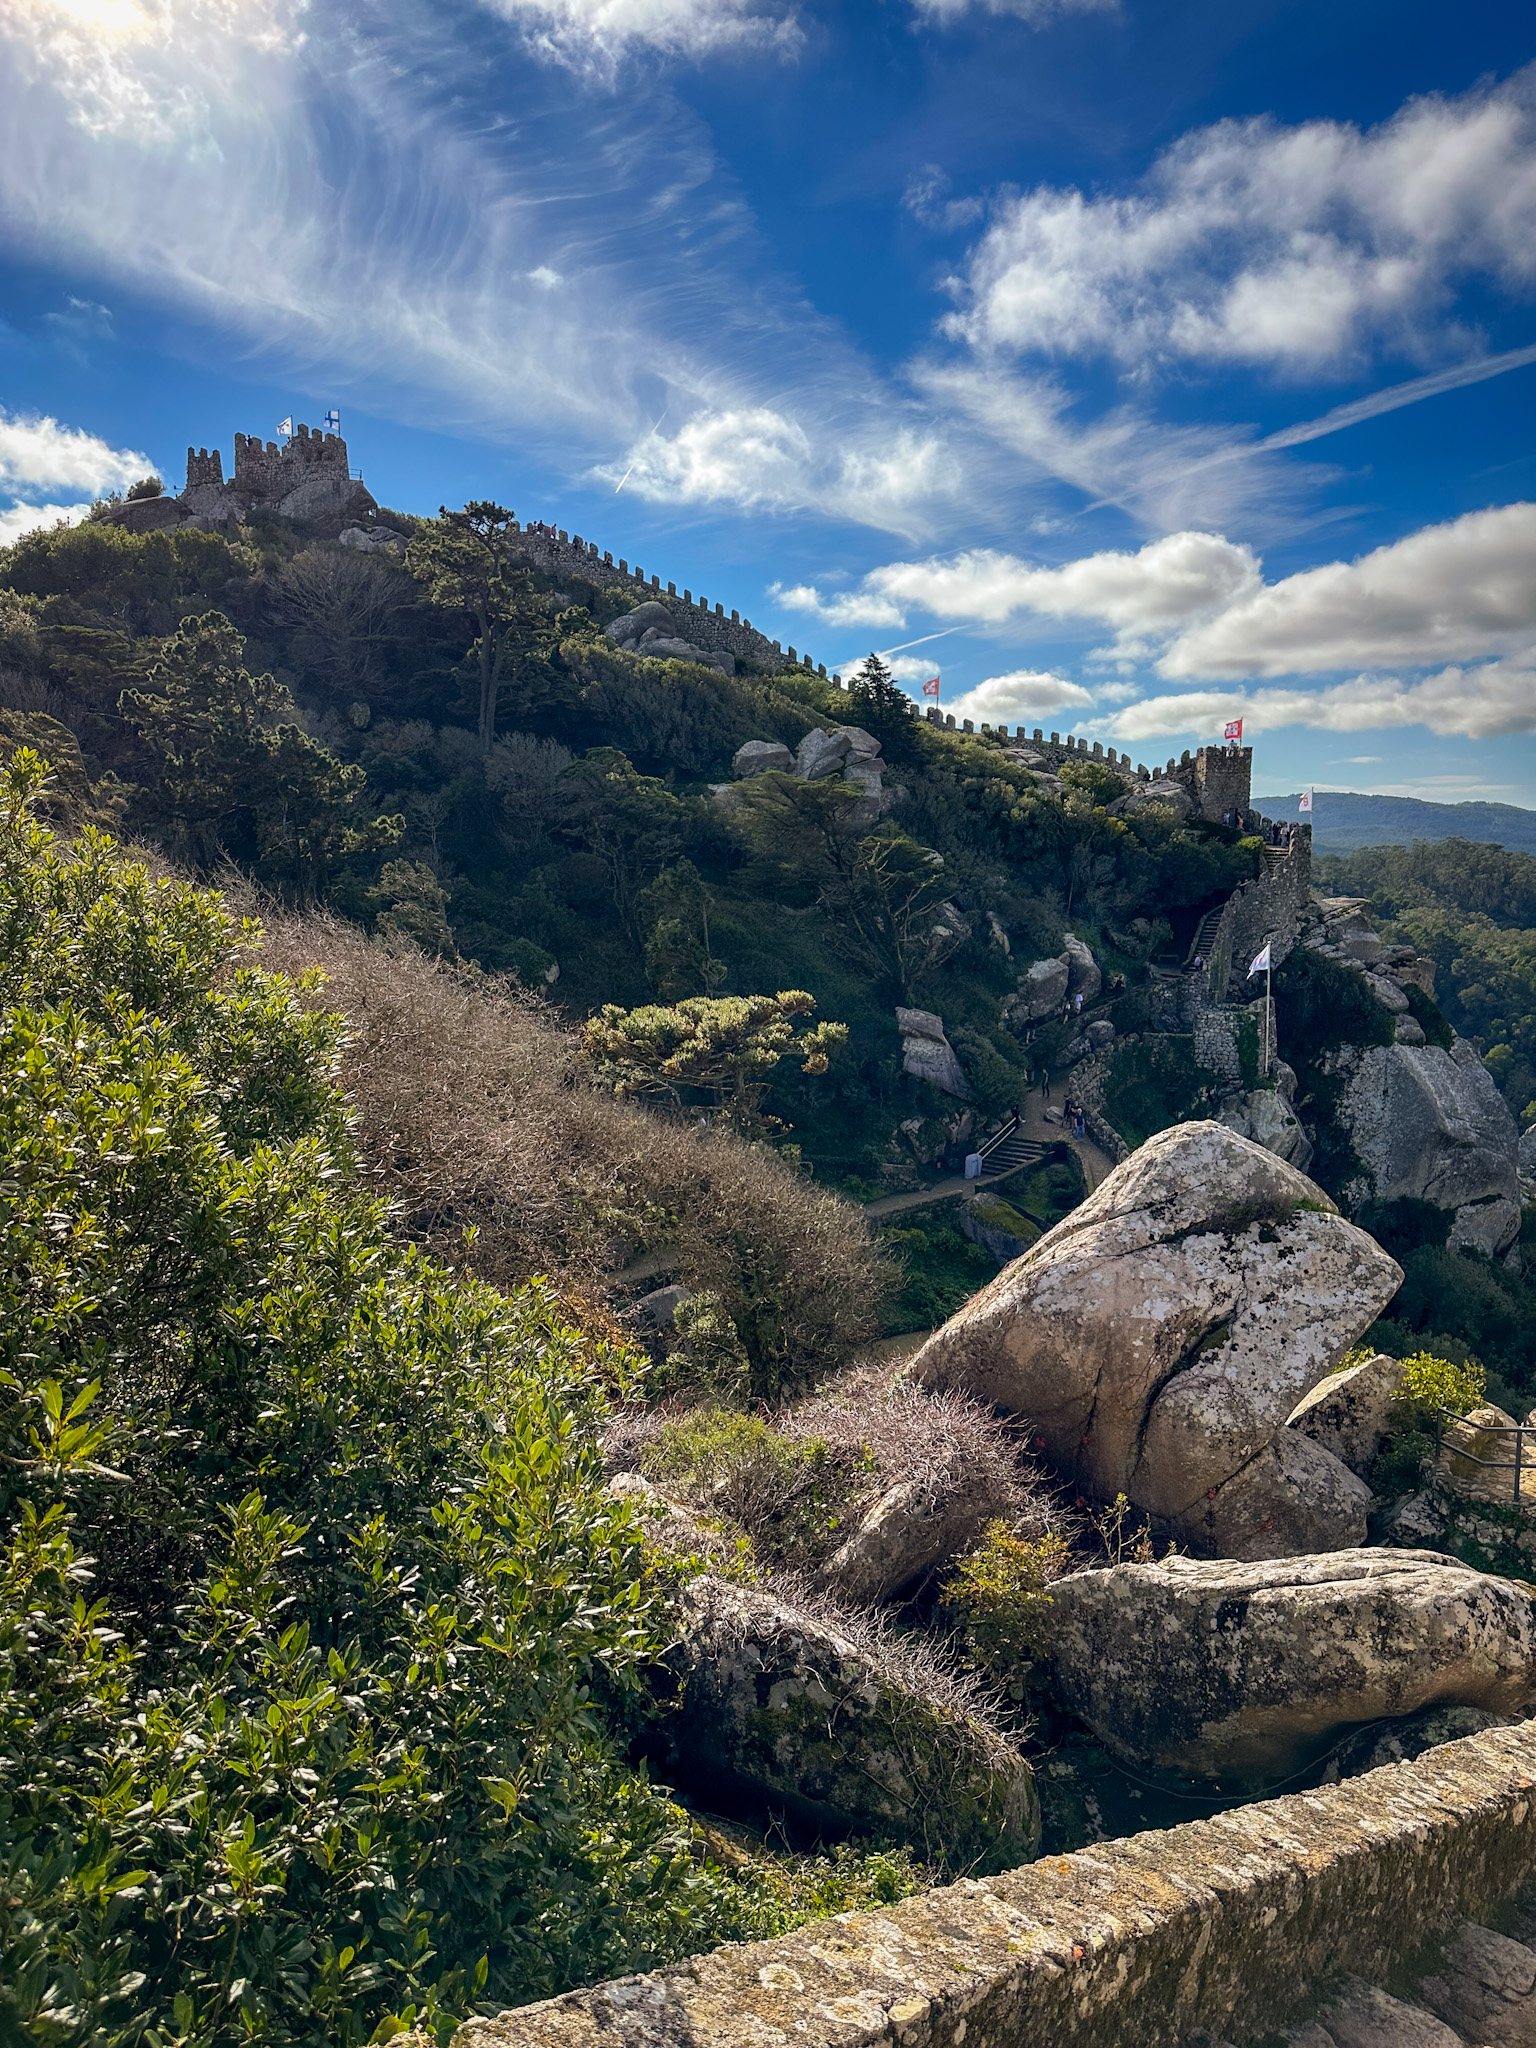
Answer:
(1152, 1084)
(1431, 1383)
(788, 1493)
(320, 1636)
(1001, 1594)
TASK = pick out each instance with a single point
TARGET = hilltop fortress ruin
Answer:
(310, 478)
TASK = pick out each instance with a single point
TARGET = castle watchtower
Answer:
(204, 467)
(1221, 781)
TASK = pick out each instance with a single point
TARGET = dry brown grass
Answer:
(474, 1112)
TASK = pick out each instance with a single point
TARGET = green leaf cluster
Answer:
(319, 1633)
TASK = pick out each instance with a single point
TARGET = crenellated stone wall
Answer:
(559, 553)
(1227, 1925)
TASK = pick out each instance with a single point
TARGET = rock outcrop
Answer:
(784, 1707)
(1348, 1413)
(1159, 1338)
(1042, 991)
(1485, 1988)
(759, 757)
(1265, 1116)
(1431, 1125)
(651, 631)
(927, 1055)
(915, 1524)
(1222, 1669)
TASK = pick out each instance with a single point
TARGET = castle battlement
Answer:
(307, 477)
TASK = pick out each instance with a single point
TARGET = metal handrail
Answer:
(1519, 1430)
(999, 1137)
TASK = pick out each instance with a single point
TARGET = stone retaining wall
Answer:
(1226, 1924)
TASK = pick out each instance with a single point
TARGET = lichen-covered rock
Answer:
(1083, 975)
(759, 757)
(780, 1704)
(1485, 1226)
(1431, 1125)
(915, 1524)
(1485, 1988)
(1477, 1458)
(1347, 1414)
(1042, 990)
(1223, 1669)
(1292, 1498)
(1360, 2015)
(926, 1053)
(1160, 1336)
(1265, 1116)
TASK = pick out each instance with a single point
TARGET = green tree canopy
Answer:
(228, 758)
(472, 561)
(725, 1047)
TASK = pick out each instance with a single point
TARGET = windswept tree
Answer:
(472, 562)
(724, 1048)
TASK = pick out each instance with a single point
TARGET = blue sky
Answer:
(1169, 361)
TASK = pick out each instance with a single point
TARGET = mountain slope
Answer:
(1345, 819)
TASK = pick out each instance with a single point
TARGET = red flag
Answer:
(1234, 729)
(931, 688)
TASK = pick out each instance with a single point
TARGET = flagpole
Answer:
(1267, 1000)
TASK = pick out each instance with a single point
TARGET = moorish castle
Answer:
(309, 477)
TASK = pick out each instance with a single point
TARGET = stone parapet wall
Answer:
(1225, 1924)
(704, 625)
(1267, 909)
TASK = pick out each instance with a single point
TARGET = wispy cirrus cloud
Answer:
(597, 35)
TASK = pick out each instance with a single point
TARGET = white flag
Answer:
(1261, 963)
(285, 426)
(1305, 803)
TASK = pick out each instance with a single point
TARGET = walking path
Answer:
(1032, 1124)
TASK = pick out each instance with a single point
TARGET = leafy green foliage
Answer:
(723, 1047)
(941, 1270)
(1152, 1084)
(1001, 1593)
(789, 1494)
(1431, 1383)
(319, 1633)
(472, 562)
(231, 772)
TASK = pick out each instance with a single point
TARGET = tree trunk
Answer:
(487, 687)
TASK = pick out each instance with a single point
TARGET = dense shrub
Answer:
(319, 1634)
(474, 1114)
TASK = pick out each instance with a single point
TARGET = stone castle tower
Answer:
(309, 477)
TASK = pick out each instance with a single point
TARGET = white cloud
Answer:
(1299, 248)
(1037, 13)
(759, 458)
(905, 668)
(40, 452)
(148, 68)
(377, 201)
(15, 520)
(596, 34)
(1445, 593)
(1487, 702)
(1150, 592)
(838, 608)
(1021, 694)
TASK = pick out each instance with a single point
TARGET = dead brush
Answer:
(475, 1114)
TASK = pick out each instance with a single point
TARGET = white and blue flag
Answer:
(285, 427)
(333, 421)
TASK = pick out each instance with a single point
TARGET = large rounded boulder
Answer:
(1159, 1338)
(783, 1706)
(1222, 1669)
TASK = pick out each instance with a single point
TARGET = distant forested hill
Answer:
(1343, 820)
